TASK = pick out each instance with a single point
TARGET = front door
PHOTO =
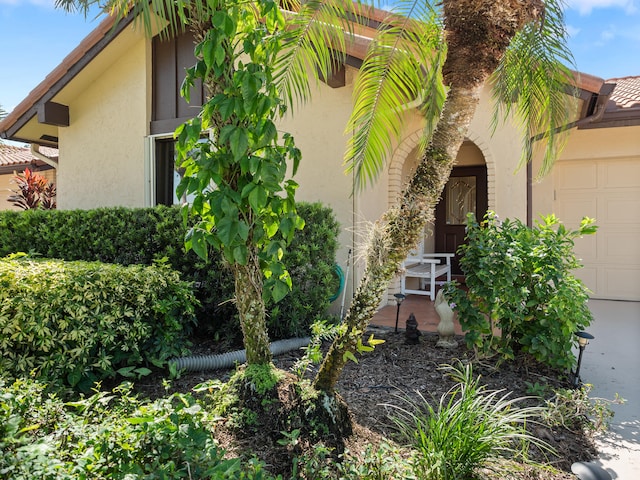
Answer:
(465, 192)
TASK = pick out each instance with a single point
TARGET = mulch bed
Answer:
(394, 372)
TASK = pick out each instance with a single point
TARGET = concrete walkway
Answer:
(611, 363)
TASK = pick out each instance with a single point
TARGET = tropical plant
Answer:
(34, 191)
(440, 54)
(3, 112)
(249, 214)
(469, 427)
(457, 46)
(520, 281)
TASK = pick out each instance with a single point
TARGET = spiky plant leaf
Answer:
(401, 69)
(533, 82)
(317, 33)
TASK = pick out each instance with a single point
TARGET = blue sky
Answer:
(35, 37)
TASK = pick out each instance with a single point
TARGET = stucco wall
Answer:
(319, 131)
(102, 151)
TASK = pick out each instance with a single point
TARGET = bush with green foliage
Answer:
(147, 235)
(519, 281)
(80, 322)
(110, 436)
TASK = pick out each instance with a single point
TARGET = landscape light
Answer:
(399, 299)
(583, 341)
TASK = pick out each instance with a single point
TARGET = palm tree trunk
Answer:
(478, 33)
(251, 308)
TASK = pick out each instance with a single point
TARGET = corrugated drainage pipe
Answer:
(230, 359)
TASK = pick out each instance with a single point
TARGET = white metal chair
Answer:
(427, 268)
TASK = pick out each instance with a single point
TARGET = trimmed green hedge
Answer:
(147, 235)
(79, 322)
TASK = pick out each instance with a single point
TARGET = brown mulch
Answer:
(394, 372)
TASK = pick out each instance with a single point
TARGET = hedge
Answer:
(80, 322)
(147, 235)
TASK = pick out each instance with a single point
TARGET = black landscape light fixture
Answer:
(399, 299)
(583, 341)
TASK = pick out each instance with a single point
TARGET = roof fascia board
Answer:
(60, 77)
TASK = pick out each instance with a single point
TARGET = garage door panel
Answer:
(619, 174)
(619, 283)
(609, 191)
(589, 277)
(586, 248)
(578, 175)
(618, 247)
(572, 207)
(619, 208)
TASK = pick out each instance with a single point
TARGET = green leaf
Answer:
(239, 143)
(258, 198)
(279, 291)
(348, 355)
(241, 254)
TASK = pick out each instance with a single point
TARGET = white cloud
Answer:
(586, 6)
(573, 31)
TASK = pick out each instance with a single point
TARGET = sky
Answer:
(35, 37)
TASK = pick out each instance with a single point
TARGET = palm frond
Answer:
(166, 17)
(402, 66)
(316, 36)
(533, 82)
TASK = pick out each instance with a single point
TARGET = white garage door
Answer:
(609, 191)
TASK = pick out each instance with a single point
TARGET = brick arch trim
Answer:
(403, 150)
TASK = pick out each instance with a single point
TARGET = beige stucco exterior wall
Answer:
(102, 151)
(5, 190)
(319, 132)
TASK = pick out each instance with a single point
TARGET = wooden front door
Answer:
(465, 192)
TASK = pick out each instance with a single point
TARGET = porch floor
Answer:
(420, 305)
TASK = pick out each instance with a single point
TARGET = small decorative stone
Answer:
(446, 327)
(412, 333)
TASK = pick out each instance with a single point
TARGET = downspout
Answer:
(35, 151)
(595, 113)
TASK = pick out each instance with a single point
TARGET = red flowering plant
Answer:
(34, 191)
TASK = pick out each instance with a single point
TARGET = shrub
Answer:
(80, 322)
(519, 281)
(147, 235)
(109, 436)
(470, 426)
(34, 191)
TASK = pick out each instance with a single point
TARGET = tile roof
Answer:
(626, 94)
(12, 156)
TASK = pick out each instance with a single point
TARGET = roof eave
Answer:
(53, 83)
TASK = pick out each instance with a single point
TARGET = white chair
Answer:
(427, 268)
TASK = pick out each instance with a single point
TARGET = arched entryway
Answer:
(470, 188)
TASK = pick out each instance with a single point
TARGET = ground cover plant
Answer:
(165, 426)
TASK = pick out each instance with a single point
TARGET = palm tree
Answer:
(3, 112)
(442, 55)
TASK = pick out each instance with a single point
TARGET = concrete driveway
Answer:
(611, 362)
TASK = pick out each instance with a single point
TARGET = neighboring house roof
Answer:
(14, 158)
(22, 123)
